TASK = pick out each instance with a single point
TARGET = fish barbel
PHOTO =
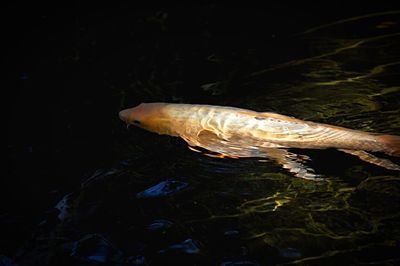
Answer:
(235, 132)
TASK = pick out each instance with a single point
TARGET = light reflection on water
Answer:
(213, 210)
(346, 81)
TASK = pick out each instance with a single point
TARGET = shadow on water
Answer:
(163, 203)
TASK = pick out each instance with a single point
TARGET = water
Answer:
(154, 201)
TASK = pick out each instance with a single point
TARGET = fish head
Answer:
(150, 116)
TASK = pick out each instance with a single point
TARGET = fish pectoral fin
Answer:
(227, 146)
(210, 144)
(206, 135)
(236, 147)
(194, 149)
(301, 158)
(289, 161)
(369, 158)
(210, 140)
(210, 153)
(189, 141)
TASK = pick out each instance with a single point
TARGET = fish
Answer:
(239, 133)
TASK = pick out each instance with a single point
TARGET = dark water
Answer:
(130, 197)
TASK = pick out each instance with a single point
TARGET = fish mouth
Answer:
(124, 115)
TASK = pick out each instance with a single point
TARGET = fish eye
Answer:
(137, 122)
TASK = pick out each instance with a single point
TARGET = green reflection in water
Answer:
(351, 82)
(254, 207)
(352, 215)
(352, 19)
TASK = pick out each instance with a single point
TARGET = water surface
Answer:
(161, 202)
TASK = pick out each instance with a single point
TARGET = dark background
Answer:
(70, 69)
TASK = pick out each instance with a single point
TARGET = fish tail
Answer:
(390, 143)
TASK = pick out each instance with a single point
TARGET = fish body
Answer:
(236, 132)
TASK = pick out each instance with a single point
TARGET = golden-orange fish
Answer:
(235, 132)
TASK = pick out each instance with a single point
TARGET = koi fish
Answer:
(235, 133)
